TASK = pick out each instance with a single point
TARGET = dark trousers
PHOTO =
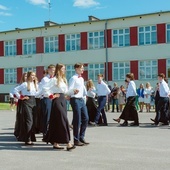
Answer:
(100, 109)
(162, 110)
(46, 109)
(80, 118)
(129, 111)
(115, 102)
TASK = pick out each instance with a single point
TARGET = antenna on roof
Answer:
(49, 7)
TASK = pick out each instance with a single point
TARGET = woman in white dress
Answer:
(147, 96)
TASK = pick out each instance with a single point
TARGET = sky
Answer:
(32, 13)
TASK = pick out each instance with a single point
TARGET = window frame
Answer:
(96, 40)
(123, 35)
(146, 67)
(119, 69)
(53, 43)
(74, 40)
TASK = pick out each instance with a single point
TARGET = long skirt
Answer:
(129, 111)
(17, 128)
(59, 131)
(27, 110)
(92, 110)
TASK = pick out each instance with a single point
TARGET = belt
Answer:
(101, 96)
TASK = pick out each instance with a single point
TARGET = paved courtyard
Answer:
(111, 148)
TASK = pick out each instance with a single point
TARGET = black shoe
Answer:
(92, 123)
(83, 141)
(78, 143)
(134, 124)
(70, 148)
(59, 148)
(153, 120)
(124, 124)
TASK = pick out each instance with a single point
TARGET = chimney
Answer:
(92, 18)
(49, 23)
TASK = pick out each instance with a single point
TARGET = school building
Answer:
(114, 47)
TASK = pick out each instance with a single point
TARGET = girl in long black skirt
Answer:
(129, 111)
(56, 89)
(91, 103)
(18, 123)
(28, 90)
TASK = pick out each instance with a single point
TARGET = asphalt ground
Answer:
(111, 147)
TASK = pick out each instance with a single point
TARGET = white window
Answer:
(168, 33)
(29, 46)
(94, 70)
(147, 35)
(72, 42)
(120, 70)
(148, 69)
(121, 37)
(96, 40)
(10, 76)
(70, 71)
(26, 69)
(10, 48)
(51, 44)
(168, 67)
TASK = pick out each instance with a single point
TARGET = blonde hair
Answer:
(58, 74)
(29, 73)
(89, 84)
(23, 79)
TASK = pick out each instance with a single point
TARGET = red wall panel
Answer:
(83, 40)
(39, 45)
(162, 66)
(133, 36)
(19, 74)
(85, 73)
(109, 39)
(61, 42)
(39, 72)
(161, 33)
(1, 76)
(134, 68)
(1, 48)
(19, 47)
(109, 71)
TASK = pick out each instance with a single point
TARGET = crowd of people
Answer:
(42, 105)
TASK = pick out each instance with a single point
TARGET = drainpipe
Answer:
(106, 51)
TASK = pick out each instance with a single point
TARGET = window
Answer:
(96, 40)
(51, 44)
(168, 67)
(70, 71)
(29, 46)
(120, 70)
(94, 70)
(72, 42)
(121, 38)
(10, 76)
(168, 33)
(25, 70)
(147, 35)
(10, 48)
(148, 69)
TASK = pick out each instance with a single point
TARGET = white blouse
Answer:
(22, 89)
(51, 87)
(91, 93)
